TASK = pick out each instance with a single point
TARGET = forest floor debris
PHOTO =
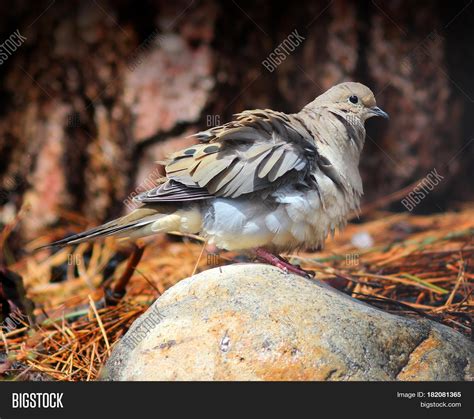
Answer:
(406, 264)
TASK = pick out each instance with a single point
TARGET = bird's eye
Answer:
(353, 99)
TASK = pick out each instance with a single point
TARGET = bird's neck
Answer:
(340, 139)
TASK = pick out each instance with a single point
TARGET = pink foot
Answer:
(268, 257)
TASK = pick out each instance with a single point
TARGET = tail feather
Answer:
(131, 222)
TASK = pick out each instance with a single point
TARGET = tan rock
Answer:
(253, 322)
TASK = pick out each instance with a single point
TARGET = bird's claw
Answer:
(283, 264)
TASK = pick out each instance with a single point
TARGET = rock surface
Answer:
(253, 322)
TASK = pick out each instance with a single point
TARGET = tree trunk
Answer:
(100, 91)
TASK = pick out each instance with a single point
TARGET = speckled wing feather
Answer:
(244, 156)
(172, 191)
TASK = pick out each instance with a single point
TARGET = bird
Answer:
(266, 182)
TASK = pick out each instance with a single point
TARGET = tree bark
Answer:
(99, 91)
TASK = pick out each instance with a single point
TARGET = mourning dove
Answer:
(267, 181)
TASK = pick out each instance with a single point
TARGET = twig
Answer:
(114, 294)
(199, 258)
(99, 321)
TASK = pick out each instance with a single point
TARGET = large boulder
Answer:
(254, 322)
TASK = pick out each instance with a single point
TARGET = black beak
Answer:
(379, 112)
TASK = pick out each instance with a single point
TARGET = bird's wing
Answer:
(171, 191)
(244, 156)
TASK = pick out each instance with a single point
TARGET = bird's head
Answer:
(352, 104)
(352, 99)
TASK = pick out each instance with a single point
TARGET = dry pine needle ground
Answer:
(409, 265)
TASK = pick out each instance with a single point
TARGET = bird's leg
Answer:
(268, 257)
